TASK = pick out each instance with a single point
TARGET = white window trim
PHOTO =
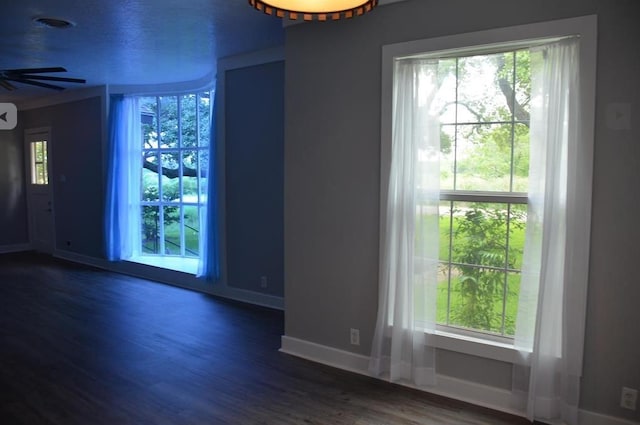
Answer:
(479, 43)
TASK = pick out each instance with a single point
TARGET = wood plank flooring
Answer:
(85, 346)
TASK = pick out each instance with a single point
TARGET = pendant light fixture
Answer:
(314, 10)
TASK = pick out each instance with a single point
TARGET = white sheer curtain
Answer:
(551, 314)
(409, 239)
(123, 213)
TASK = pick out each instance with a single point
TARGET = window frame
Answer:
(35, 174)
(495, 41)
(159, 150)
(175, 262)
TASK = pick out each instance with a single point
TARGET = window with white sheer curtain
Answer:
(486, 207)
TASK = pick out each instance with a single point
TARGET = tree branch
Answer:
(173, 173)
(516, 109)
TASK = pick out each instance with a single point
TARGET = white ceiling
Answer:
(130, 42)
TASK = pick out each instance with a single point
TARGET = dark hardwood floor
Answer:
(84, 346)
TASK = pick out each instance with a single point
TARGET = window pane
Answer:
(511, 303)
(447, 157)
(521, 158)
(191, 231)
(445, 230)
(517, 228)
(477, 298)
(45, 172)
(204, 173)
(172, 237)
(446, 99)
(483, 157)
(150, 191)
(190, 179)
(149, 121)
(204, 111)
(168, 122)
(39, 174)
(188, 120)
(171, 179)
(39, 152)
(485, 84)
(150, 229)
(523, 83)
(480, 234)
(442, 307)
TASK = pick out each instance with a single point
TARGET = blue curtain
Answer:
(209, 265)
(112, 222)
(124, 168)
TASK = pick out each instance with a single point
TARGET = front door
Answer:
(41, 218)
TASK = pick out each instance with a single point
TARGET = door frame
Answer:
(39, 189)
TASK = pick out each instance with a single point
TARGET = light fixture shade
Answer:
(318, 10)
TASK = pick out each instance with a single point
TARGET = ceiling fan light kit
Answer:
(314, 10)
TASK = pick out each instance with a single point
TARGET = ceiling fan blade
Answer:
(7, 85)
(34, 83)
(47, 78)
(34, 70)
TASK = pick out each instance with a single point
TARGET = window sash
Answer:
(178, 149)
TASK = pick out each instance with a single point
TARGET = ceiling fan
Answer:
(27, 76)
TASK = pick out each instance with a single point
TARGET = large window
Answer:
(482, 105)
(175, 146)
(487, 146)
(158, 200)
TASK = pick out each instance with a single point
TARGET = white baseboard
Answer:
(458, 389)
(6, 249)
(175, 278)
(81, 259)
(592, 418)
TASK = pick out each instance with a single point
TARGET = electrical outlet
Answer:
(355, 336)
(263, 281)
(629, 398)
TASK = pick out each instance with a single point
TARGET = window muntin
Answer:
(175, 139)
(482, 104)
(39, 163)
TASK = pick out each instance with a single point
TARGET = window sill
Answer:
(179, 264)
(477, 347)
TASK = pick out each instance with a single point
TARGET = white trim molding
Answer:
(586, 417)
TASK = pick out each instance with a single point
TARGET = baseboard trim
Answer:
(7, 249)
(175, 278)
(587, 417)
(470, 392)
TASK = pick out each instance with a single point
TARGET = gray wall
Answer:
(254, 155)
(13, 204)
(332, 172)
(77, 178)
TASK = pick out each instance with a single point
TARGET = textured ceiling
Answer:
(130, 42)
